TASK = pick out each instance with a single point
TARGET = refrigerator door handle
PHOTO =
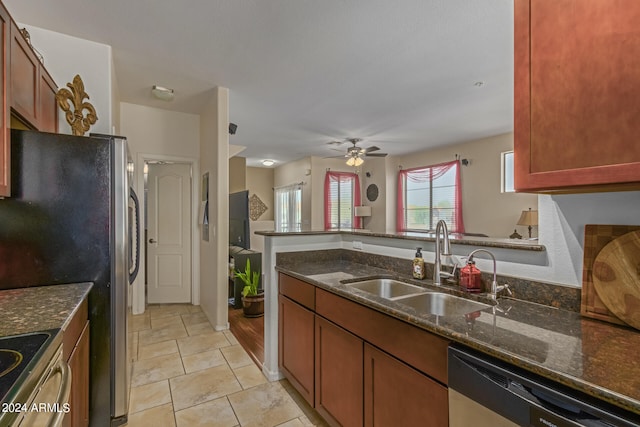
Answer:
(136, 203)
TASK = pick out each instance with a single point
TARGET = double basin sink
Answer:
(419, 298)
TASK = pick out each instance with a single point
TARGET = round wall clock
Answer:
(372, 192)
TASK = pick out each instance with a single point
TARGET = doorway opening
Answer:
(169, 247)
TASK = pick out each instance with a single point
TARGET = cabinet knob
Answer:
(153, 241)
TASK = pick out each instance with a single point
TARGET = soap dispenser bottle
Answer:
(418, 265)
(470, 277)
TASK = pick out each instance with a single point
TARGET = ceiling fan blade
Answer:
(376, 154)
(370, 149)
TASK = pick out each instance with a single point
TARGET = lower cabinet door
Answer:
(79, 397)
(296, 353)
(339, 381)
(397, 395)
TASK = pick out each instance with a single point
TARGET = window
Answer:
(506, 185)
(288, 208)
(341, 195)
(429, 194)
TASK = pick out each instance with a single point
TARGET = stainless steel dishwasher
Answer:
(486, 392)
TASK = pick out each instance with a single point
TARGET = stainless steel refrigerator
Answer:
(72, 217)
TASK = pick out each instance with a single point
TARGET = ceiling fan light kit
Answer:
(354, 161)
(354, 154)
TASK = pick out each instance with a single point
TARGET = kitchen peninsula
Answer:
(557, 344)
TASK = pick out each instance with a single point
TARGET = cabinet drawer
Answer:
(298, 291)
(421, 349)
(74, 329)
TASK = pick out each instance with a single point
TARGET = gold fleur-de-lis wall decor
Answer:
(73, 98)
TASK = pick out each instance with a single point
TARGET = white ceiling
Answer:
(301, 73)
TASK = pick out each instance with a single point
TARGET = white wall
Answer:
(158, 131)
(562, 219)
(214, 158)
(159, 134)
(66, 56)
(375, 167)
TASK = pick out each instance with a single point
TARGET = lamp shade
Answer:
(363, 211)
(528, 218)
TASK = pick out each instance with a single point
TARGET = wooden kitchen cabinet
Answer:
(296, 346)
(48, 119)
(396, 394)
(370, 368)
(75, 350)
(27, 92)
(577, 97)
(79, 397)
(339, 375)
(296, 328)
(33, 91)
(418, 348)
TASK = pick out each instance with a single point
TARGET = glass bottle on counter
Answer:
(470, 277)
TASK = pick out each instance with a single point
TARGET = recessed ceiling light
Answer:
(268, 162)
(162, 93)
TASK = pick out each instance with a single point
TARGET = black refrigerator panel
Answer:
(55, 227)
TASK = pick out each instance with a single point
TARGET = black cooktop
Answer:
(17, 353)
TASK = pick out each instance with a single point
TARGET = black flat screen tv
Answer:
(239, 219)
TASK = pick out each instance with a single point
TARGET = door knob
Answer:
(153, 241)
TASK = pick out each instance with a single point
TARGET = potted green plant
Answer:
(252, 296)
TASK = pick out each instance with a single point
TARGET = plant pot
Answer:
(253, 305)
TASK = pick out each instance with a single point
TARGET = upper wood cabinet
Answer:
(33, 91)
(48, 120)
(27, 91)
(577, 95)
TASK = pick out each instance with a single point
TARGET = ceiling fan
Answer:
(354, 154)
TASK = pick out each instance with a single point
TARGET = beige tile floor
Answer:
(187, 374)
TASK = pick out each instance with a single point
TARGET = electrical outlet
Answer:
(357, 244)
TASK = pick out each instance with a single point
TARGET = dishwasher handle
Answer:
(63, 393)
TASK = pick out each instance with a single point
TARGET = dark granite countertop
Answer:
(40, 308)
(584, 354)
(459, 239)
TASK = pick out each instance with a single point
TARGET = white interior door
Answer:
(169, 233)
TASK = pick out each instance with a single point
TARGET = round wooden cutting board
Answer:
(616, 277)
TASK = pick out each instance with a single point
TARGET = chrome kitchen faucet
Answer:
(442, 248)
(495, 289)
